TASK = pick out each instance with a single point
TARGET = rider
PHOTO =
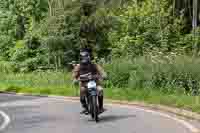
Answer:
(86, 66)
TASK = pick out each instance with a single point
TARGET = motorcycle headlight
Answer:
(91, 84)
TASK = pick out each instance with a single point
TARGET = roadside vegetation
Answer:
(149, 48)
(144, 79)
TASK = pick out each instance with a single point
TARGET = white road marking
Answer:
(24, 103)
(6, 120)
(183, 122)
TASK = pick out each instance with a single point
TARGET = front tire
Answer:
(94, 109)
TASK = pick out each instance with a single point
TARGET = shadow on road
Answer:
(112, 118)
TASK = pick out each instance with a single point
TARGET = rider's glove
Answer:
(75, 82)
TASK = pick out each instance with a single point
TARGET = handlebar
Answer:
(89, 77)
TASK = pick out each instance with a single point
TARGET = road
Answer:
(50, 115)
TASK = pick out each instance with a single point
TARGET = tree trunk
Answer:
(194, 25)
(50, 8)
(55, 60)
(194, 21)
(59, 60)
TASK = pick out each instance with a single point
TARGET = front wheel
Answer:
(94, 112)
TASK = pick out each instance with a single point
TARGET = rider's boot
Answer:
(84, 111)
(84, 105)
(101, 109)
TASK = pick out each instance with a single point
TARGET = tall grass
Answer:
(47, 82)
(5, 67)
(170, 74)
(155, 97)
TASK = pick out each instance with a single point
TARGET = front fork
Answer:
(91, 93)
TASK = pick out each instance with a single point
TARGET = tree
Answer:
(194, 25)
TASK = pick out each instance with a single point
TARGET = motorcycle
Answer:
(91, 96)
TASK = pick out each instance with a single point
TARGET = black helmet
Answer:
(85, 57)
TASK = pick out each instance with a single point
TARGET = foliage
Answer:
(171, 73)
(48, 34)
(145, 28)
(57, 29)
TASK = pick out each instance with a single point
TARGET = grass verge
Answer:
(60, 84)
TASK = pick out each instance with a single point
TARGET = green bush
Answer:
(6, 67)
(119, 72)
(168, 73)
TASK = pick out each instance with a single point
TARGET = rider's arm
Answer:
(76, 72)
(102, 73)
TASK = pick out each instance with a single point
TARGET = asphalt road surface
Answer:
(50, 115)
